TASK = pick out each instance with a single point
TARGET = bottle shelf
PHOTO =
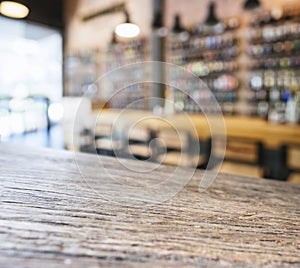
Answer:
(274, 50)
(211, 54)
(134, 96)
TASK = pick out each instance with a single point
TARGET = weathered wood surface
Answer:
(49, 217)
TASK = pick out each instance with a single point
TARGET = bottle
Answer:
(291, 113)
(297, 98)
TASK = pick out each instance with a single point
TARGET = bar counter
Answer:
(50, 217)
(273, 148)
(270, 135)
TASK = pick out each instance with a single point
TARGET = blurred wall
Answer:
(97, 33)
(195, 11)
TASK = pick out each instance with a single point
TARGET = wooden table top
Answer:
(50, 217)
(257, 129)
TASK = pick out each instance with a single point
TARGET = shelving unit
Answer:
(264, 82)
(136, 95)
(81, 70)
(211, 54)
(274, 66)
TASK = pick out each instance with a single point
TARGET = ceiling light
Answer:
(157, 21)
(251, 4)
(13, 9)
(113, 39)
(211, 17)
(178, 29)
(158, 26)
(127, 29)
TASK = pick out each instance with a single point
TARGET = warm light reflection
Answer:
(13, 9)
(127, 30)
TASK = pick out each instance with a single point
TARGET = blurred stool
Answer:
(293, 163)
(294, 177)
(138, 139)
(178, 148)
(240, 169)
(242, 156)
(108, 142)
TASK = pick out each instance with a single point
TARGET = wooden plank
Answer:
(108, 144)
(181, 159)
(295, 177)
(139, 134)
(237, 150)
(49, 216)
(240, 169)
(103, 129)
(174, 139)
(293, 157)
(139, 150)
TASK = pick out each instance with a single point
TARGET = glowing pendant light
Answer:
(127, 29)
(211, 17)
(13, 9)
(251, 4)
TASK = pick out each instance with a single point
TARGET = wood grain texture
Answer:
(50, 217)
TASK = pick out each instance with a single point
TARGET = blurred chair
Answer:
(109, 141)
(242, 156)
(177, 147)
(138, 143)
(293, 163)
